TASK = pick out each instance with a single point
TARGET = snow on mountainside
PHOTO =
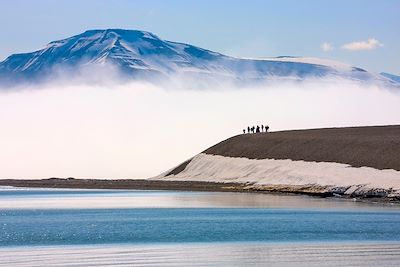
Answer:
(392, 77)
(143, 55)
(318, 61)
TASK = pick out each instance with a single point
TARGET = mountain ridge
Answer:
(143, 55)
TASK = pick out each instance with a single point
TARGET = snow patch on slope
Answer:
(317, 61)
(215, 168)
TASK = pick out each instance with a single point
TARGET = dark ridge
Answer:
(375, 146)
(127, 184)
(180, 168)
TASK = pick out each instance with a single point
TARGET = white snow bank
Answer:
(318, 61)
(214, 168)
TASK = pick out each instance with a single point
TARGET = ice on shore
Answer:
(267, 172)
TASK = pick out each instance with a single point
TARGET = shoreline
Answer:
(145, 184)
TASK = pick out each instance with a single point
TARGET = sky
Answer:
(364, 33)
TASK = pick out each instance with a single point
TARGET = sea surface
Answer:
(63, 227)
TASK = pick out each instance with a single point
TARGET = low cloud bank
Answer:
(138, 130)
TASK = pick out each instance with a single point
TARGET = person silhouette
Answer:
(244, 131)
(252, 129)
(266, 128)
(248, 129)
(258, 129)
(262, 128)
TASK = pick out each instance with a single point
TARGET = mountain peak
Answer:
(143, 55)
(121, 32)
(101, 35)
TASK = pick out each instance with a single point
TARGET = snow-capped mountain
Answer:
(394, 78)
(143, 55)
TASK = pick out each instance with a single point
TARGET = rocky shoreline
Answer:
(379, 196)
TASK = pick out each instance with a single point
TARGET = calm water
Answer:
(43, 226)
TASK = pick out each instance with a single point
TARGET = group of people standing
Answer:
(256, 129)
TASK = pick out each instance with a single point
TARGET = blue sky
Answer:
(365, 33)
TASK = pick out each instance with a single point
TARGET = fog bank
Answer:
(138, 130)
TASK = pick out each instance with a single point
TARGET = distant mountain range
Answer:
(143, 55)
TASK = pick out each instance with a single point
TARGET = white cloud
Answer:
(370, 44)
(326, 46)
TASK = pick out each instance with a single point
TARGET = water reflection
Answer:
(92, 199)
(206, 255)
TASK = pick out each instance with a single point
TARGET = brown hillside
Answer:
(377, 147)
